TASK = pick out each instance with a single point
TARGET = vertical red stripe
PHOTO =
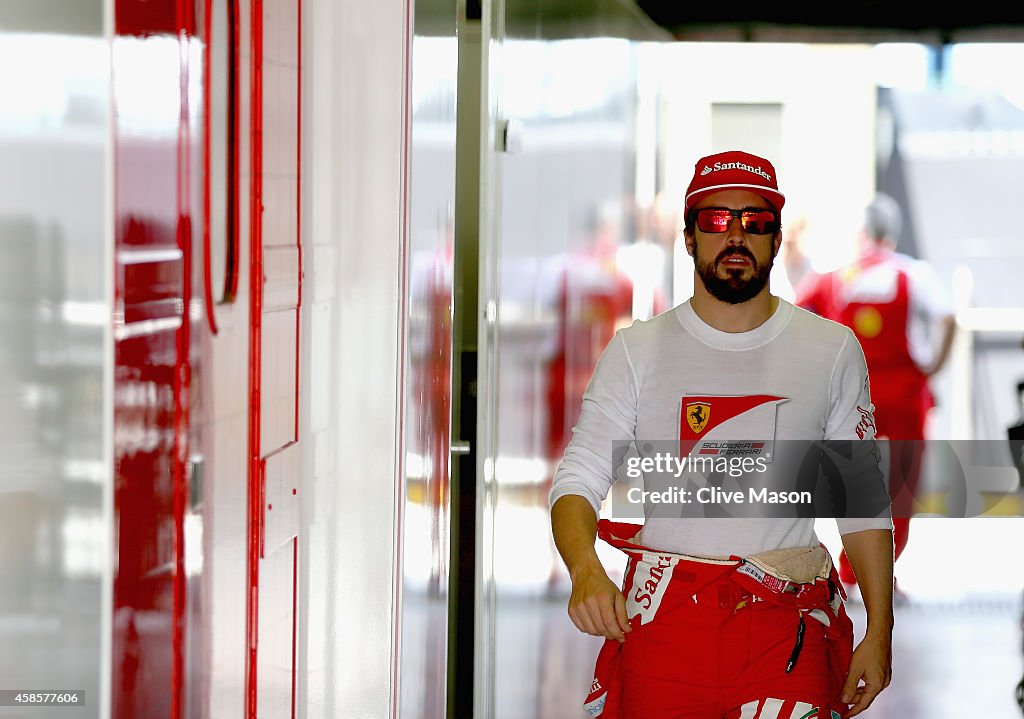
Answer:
(211, 321)
(255, 485)
(234, 147)
(182, 374)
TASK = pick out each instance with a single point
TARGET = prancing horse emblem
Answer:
(697, 416)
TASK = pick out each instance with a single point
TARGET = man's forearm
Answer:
(574, 527)
(948, 330)
(871, 554)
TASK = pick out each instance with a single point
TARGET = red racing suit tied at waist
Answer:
(802, 578)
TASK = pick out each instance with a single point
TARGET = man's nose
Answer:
(735, 234)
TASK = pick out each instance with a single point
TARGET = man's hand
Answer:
(872, 663)
(597, 606)
(871, 554)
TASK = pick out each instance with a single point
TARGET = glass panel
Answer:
(426, 528)
(55, 317)
(578, 258)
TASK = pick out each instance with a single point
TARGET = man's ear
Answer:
(690, 242)
(776, 244)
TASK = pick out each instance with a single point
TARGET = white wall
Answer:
(353, 200)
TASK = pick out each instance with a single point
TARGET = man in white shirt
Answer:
(734, 362)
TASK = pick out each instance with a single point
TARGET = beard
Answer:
(734, 288)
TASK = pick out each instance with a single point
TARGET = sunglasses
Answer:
(754, 222)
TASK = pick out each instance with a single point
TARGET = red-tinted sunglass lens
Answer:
(712, 220)
(755, 222)
(758, 223)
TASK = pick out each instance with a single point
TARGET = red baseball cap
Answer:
(734, 170)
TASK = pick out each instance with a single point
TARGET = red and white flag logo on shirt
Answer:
(719, 424)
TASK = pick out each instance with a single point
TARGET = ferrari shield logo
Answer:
(697, 416)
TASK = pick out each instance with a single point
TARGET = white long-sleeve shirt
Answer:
(796, 377)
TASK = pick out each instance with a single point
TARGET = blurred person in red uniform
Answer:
(893, 303)
(595, 299)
